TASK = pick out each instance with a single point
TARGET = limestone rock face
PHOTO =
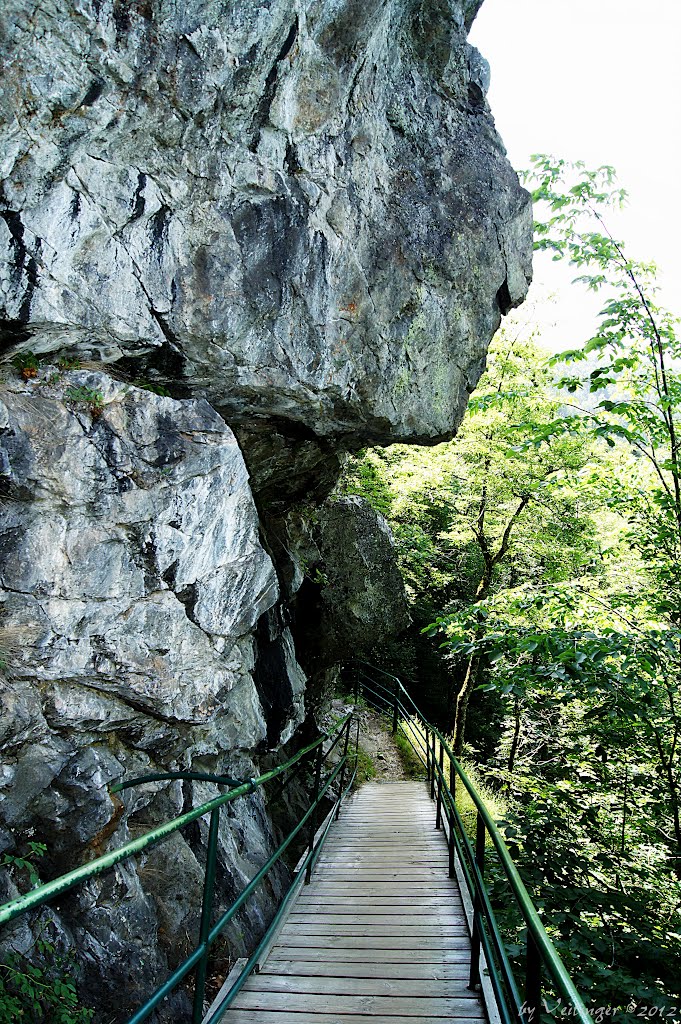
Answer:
(298, 209)
(131, 550)
(133, 585)
(342, 583)
(363, 597)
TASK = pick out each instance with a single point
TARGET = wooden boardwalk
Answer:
(380, 935)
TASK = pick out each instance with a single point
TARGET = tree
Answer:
(636, 355)
(490, 510)
(590, 753)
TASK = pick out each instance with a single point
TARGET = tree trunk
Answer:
(516, 735)
(462, 699)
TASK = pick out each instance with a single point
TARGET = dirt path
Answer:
(376, 739)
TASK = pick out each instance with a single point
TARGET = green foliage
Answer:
(155, 389)
(81, 394)
(69, 363)
(27, 364)
(630, 389)
(587, 663)
(497, 507)
(366, 769)
(25, 864)
(42, 990)
(39, 987)
(589, 763)
(412, 765)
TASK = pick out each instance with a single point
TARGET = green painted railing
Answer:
(542, 959)
(209, 930)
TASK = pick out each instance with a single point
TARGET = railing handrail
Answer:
(209, 932)
(545, 946)
(58, 886)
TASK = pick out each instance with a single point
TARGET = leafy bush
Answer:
(39, 987)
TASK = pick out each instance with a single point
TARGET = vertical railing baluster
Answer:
(313, 817)
(440, 778)
(345, 764)
(474, 978)
(452, 790)
(396, 695)
(532, 981)
(432, 766)
(427, 753)
(206, 914)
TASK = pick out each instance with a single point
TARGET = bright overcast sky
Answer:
(599, 81)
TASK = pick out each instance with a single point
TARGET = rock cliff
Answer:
(300, 210)
(236, 240)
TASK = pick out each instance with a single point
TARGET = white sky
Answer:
(599, 81)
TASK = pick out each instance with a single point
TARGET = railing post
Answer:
(432, 765)
(532, 981)
(313, 817)
(474, 979)
(440, 777)
(396, 697)
(427, 753)
(452, 790)
(206, 914)
(345, 764)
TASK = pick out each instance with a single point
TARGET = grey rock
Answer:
(299, 210)
(131, 548)
(343, 585)
(362, 592)
(136, 603)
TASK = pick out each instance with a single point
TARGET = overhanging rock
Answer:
(300, 211)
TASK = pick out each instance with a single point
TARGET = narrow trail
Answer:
(376, 739)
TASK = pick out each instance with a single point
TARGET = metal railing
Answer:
(208, 931)
(542, 959)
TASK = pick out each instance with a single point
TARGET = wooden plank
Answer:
(377, 931)
(315, 954)
(361, 900)
(415, 934)
(404, 877)
(323, 892)
(438, 883)
(399, 921)
(391, 854)
(269, 1016)
(380, 844)
(434, 861)
(405, 1006)
(428, 907)
(424, 871)
(370, 894)
(362, 969)
(377, 986)
(373, 842)
(408, 869)
(340, 941)
(399, 875)
(390, 830)
(411, 818)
